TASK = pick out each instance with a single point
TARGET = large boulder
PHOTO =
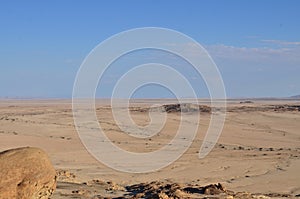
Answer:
(26, 173)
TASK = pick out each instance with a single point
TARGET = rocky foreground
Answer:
(26, 173)
(68, 187)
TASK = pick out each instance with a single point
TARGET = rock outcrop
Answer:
(26, 173)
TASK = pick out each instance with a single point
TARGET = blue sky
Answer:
(255, 44)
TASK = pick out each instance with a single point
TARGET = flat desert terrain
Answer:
(256, 156)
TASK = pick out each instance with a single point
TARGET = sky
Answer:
(255, 44)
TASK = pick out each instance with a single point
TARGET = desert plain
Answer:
(256, 156)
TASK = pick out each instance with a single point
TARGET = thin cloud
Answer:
(281, 42)
(284, 54)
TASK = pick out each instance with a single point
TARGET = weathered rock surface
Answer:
(26, 173)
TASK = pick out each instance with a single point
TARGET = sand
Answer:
(258, 151)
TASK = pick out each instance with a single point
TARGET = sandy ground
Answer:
(257, 152)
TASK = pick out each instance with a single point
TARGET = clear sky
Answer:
(256, 44)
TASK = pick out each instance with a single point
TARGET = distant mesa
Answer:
(246, 102)
(295, 97)
(185, 107)
(175, 108)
